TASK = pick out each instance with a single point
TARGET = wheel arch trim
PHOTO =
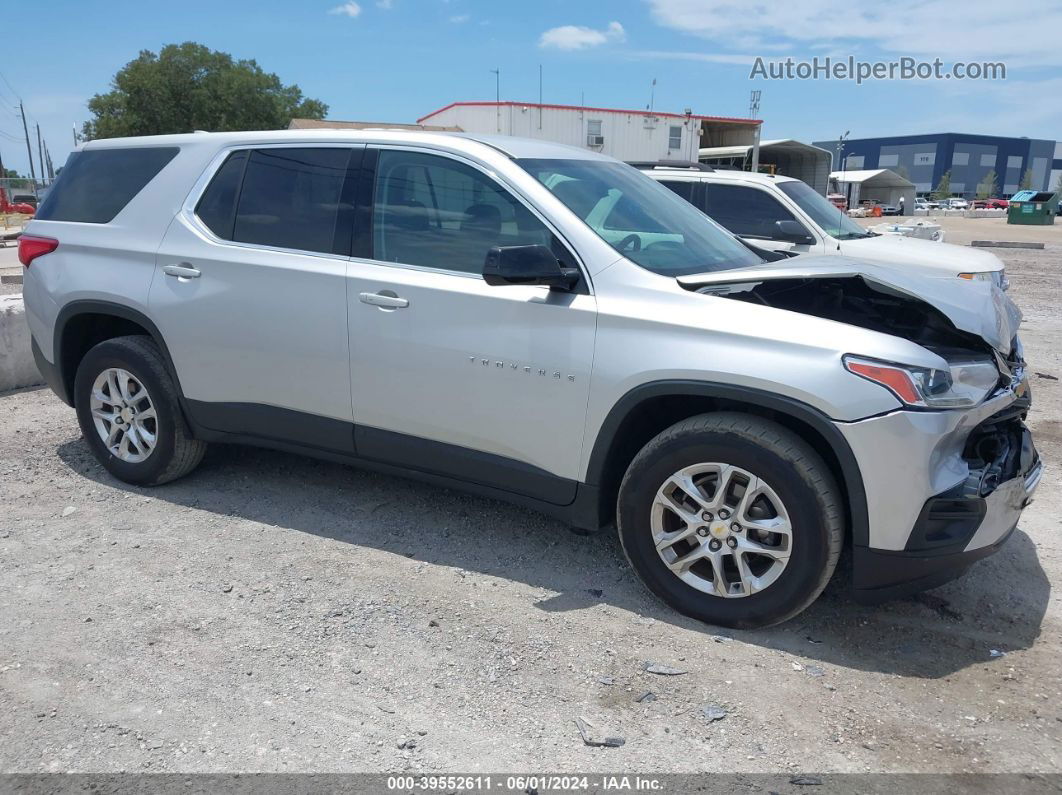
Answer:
(819, 422)
(77, 308)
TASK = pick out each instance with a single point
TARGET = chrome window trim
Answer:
(211, 170)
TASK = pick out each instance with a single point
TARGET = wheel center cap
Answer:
(126, 414)
(718, 529)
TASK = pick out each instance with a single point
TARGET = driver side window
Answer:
(436, 212)
(748, 212)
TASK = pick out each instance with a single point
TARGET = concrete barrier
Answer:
(17, 368)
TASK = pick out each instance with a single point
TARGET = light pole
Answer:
(840, 153)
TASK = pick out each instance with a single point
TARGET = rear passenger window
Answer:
(290, 197)
(96, 184)
(438, 213)
(217, 207)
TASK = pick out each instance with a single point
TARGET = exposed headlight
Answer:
(999, 278)
(962, 385)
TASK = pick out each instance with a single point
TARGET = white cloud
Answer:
(460, 19)
(972, 30)
(706, 57)
(386, 5)
(350, 9)
(578, 37)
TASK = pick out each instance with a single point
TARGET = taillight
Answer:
(31, 246)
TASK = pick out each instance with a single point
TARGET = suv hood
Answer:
(934, 311)
(927, 254)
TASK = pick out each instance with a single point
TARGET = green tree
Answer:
(188, 87)
(943, 189)
(1026, 180)
(12, 180)
(989, 186)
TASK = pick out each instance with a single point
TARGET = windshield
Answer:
(834, 222)
(641, 219)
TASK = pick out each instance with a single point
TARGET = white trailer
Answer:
(632, 135)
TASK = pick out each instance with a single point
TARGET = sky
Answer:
(397, 60)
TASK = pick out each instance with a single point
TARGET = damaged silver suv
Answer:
(539, 324)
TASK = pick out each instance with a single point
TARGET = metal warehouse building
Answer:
(624, 134)
(923, 159)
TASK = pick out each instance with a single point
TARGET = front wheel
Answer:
(128, 410)
(731, 519)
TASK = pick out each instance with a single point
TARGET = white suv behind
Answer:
(540, 324)
(785, 214)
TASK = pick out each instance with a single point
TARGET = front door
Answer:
(752, 213)
(448, 374)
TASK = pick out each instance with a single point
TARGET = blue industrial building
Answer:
(923, 159)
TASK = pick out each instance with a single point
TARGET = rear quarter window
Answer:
(96, 184)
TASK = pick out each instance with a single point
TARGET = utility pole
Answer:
(29, 149)
(754, 112)
(540, 96)
(74, 128)
(48, 160)
(40, 151)
(497, 94)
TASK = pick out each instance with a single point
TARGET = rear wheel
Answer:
(731, 519)
(129, 413)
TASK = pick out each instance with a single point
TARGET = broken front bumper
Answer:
(879, 575)
(944, 489)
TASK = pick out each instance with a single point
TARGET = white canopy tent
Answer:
(877, 184)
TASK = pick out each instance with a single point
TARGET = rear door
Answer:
(249, 294)
(449, 374)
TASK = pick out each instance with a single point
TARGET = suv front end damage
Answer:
(947, 474)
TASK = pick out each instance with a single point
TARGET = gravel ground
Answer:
(274, 613)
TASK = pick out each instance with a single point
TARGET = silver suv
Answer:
(540, 324)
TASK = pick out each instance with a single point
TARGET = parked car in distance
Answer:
(955, 203)
(785, 214)
(888, 209)
(926, 204)
(838, 200)
(990, 204)
(538, 323)
(24, 198)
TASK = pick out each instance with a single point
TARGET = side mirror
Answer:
(534, 264)
(791, 232)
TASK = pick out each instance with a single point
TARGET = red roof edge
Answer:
(586, 108)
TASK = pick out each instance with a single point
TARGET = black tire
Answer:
(793, 469)
(176, 453)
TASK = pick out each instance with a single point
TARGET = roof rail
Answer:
(687, 164)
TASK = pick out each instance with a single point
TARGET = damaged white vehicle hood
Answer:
(976, 307)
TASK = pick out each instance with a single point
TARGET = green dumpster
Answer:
(1032, 207)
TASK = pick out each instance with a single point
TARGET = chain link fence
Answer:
(19, 198)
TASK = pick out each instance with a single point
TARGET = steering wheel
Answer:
(632, 241)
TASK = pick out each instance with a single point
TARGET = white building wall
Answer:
(628, 136)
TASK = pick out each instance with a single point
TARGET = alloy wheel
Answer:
(124, 415)
(721, 529)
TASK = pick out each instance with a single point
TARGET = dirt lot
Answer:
(274, 613)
